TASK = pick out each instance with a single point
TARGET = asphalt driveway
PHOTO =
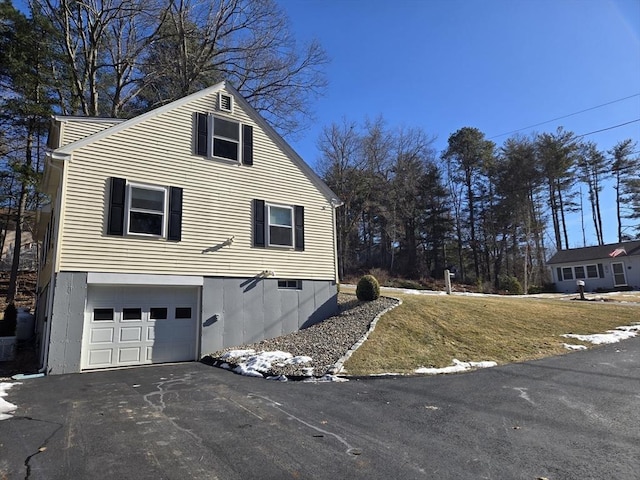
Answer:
(570, 417)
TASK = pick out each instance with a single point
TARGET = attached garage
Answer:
(139, 325)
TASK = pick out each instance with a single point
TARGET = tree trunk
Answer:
(562, 218)
(554, 215)
(618, 213)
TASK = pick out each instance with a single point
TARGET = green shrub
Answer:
(510, 284)
(368, 288)
(8, 325)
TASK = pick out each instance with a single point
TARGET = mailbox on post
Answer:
(580, 284)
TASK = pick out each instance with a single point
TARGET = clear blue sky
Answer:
(498, 65)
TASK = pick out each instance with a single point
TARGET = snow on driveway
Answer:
(6, 408)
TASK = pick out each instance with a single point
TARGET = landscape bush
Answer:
(368, 288)
(510, 284)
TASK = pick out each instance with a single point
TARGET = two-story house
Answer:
(187, 229)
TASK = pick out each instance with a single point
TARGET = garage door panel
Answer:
(100, 358)
(170, 352)
(101, 335)
(143, 325)
(131, 334)
(129, 355)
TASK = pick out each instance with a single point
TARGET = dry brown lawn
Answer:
(432, 330)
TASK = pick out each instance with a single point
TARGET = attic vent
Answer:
(225, 102)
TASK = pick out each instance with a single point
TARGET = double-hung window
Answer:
(142, 209)
(223, 138)
(278, 225)
(147, 209)
(280, 228)
(592, 271)
(226, 139)
(567, 273)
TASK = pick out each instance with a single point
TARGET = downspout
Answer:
(335, 203)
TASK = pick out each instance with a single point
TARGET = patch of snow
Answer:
(456, 367)
(299, 359)
(570, 346)
(254, 364)
(611, 336)
(237, 353)
(6, 408)
(325, 378)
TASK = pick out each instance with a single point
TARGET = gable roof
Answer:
(597, 252)
(67, 150)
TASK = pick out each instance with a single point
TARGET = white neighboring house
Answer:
(176, 233)
(614, 266)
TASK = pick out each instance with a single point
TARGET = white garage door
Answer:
(139, 325)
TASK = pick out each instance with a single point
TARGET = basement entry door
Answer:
(134, 325)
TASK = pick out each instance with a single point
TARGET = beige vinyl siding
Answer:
(74, 129)
(217, 204)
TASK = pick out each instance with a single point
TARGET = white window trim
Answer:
(564, 276)
(269, 225)
(211, 137)
(594, 265)
(165, 212)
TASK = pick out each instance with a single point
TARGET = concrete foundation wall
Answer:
(67, 321)
(234, 311)
(238, 311)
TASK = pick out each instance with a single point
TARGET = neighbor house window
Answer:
(592, 271)
(147, 210)
(567, 273)
(579, 271)
(280, 226)
(290, 284)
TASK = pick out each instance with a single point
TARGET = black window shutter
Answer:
(202, 134)
(258, 223)
(116, 206)
(559, 272)
(299, 222)
(247, 144)
(175, 214)
(600, 270)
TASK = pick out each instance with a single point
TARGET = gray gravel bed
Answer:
(325, 342)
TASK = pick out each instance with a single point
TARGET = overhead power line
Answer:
(608, 128)
(566, 116)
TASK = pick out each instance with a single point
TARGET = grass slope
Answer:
(432, 330)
